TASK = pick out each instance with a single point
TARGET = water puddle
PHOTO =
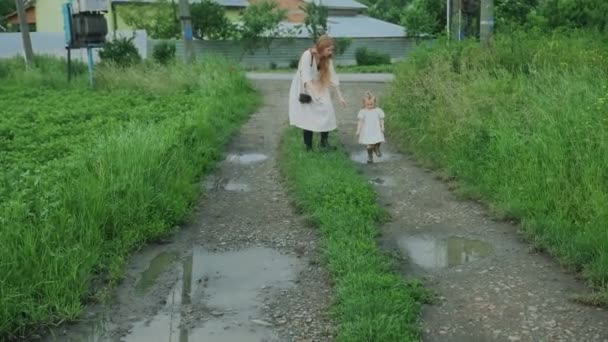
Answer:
(431, 252)
(155, 269)
(383, 181)
(246, 158)
(361, 157)
(217, 298)
(236, 186)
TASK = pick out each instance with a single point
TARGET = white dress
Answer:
(316, 116)
(371, 131)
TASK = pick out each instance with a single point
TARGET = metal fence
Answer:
(284, 51)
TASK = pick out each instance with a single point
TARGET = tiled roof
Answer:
(339, 4)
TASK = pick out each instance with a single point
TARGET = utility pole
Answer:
(455, 19)
(486, 22)
(184, 15)
(25, 32)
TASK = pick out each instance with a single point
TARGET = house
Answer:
(49, 16)
(346, 17)
(12, 19)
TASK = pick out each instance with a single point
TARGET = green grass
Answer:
(373, 302)
(86, 177)
(524, 126)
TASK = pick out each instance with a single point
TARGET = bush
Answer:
(164, 52)
(364, 56)
(342, 44)
(121, 52)
(293, 64)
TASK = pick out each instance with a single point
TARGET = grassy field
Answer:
(87, 176)
(524, 126)
(373, 302)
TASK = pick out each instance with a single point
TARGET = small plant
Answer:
(121, 52)
(342, 44)
(273, 66)
(164, 52)
(293, 64)
(364, 56)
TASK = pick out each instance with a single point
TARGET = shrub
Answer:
(364, 56)
(342, 44)
(121, 52)
(293, 64)
(164, 52)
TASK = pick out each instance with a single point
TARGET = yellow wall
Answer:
(49, 17)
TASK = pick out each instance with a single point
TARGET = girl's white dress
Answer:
(316, 116)
(371, 131)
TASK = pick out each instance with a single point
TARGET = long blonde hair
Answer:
(323, 43)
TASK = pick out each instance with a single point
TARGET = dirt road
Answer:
(246, 267)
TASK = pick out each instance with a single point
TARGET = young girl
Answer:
(371, 126)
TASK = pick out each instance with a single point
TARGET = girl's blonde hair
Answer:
(369, 96)
(323, 43)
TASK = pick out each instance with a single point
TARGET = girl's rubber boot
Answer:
(378, 152)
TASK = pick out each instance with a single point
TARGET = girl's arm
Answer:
(382, 125)
(359, 125)
(335, 82)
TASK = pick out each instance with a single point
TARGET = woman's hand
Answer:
(343, 102)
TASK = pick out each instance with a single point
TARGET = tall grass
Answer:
(523, 125)
(373, 303)
(117, 179)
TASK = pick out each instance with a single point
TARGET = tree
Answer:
(421, 17)
(209, 21)
(261, 25)
(316, 19)
(418, 20)
(388, 10)
(158, 19)
(6, 7)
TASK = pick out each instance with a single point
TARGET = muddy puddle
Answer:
(246, 158)
(217, 297)
(236, 186)
(361, 157)
(383, 181)
(431, 252)
(157, 266)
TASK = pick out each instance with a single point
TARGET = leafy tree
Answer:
(388, 10)
(261, 25)
(316, 19)
(6, 7)
(424, 17)
(209, 21)
(158, 19)
(418, 20)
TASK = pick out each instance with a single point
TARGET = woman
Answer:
(315, 76)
